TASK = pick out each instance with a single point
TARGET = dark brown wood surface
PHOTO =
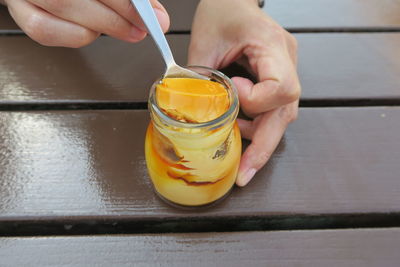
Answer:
(308, 14)
(367, 247)
(6, 22)
(298, 14)
(305, 15)
(332, 66)
(107, 70)
(72, 167)
(335, 14)
(90, 164)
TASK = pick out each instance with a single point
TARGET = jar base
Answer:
(197, 207)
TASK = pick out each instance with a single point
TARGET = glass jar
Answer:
(193, 164)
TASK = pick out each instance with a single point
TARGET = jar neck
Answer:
(161, 119)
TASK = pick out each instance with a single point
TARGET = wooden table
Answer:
(74, 189)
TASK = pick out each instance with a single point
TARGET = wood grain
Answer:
(107, 70)
(349, 66)
(335, 14)
(368, 247)
(308, 14)
(331, 66)
(295, 14)
(89, 165)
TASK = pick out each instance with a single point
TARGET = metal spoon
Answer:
(150, 20)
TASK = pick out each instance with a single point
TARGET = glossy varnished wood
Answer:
(91, 164)
(308, 14)
(349, 66)
(181, 13)
(303, 14)
(107, 70)
(336, 14)
(331, 66)
(6, 22)
(368, 247)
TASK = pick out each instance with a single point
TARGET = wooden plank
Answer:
(335, 14)
(181, 13)
(107, 70)
(331, 66)
(367, 247)
(90, 165)
(349, 66)
(308, 14)
(295, 14)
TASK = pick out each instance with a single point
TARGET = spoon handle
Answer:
(150, 20)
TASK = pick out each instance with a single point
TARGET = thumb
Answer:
(162, 15)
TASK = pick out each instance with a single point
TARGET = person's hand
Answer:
(76, 23)
(224, 31)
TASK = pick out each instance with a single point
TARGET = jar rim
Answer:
(233, 107)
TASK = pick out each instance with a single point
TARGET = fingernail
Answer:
(244, 178)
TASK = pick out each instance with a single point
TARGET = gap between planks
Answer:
(291, 30)
(127, 105)
(49, 226)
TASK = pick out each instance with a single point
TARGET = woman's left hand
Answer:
(224, 31)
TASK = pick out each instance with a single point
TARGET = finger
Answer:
(268, 132)
(278, 86)
(93, 15)
(246, 128)
(47, 29)
(126, 10)
(244, 87)
(291, 42)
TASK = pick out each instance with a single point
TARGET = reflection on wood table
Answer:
(286, 248)
(332, 67)
(74, 188)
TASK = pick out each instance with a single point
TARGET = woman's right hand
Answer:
(76, 23)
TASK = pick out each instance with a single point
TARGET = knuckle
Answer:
(261, 91)
(262, 158)
(289, 113)
(57, 6)
(84, 37)
(293, 42)
(277, 33)
(291, 91)
(115, 22)
(293, 94)
(35, 28)
(295, 116)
